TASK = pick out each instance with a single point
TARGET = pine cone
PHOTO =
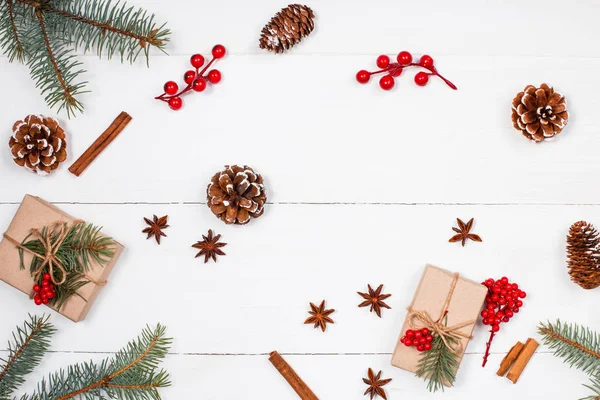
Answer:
(287, 28)
(38, 143)
(583, 255)
(236, 194)
(539, 113)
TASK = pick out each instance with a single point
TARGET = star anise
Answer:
(319, 316)
(374, 299)
(210, 247)
(156, 226)
(375, 385)
(463, 232)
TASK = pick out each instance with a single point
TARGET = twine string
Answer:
(451, 335)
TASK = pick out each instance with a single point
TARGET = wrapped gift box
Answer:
(37, 213)
(430, 296)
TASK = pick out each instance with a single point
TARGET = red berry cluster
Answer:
(503, 301)
(420, 339)
(44, 291)
(195, 80)
(393, 70)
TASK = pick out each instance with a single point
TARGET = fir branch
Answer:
(579, 346)
(438, 365)
(29, 345)
(131, 374)
(10, 40)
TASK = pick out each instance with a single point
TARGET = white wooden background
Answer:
(364, 187)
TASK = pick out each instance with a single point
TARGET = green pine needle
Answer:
(83, 245)
(132, 374)
(25, 352)
(438, 366)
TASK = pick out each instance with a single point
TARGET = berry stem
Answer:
(487, 348)
(199, 75)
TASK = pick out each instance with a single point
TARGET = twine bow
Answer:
(51, 239)
(450, 335)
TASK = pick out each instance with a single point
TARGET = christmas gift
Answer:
(56, 259)
(439, 322)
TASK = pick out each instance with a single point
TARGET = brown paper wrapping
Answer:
(465, 305)
(37, 213)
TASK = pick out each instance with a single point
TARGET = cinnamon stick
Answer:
(522, 360)
(510, 358)
(100, 144)
(291, 377)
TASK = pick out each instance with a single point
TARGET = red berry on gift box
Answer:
(46, 277)
(429, 338)
(418, 334)
(425, 331)
(52, 294)
(199, 85)
(421, 78)
(426, 61)
(214, 76)
(403, 339)
(189, 76)
(36, 288)
(408, 342)
(421, 347)
(171, 88)
(45, 283)
(363, 76)
(404, 58)
(415, 342)
(410, 333)
(45, 300)
(219, 51)
(422, 340)
(37, 299)
(386, 82)
(427, 346)
(50, 286)
(383, 61)
(197, 60)
(175, 103)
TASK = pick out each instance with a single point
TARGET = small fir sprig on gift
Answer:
(132, 373)
(40, 33)
(60, 279)
(439, 364)
(578, 346)
(25, 352)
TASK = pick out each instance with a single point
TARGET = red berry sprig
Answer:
(393, 70)
(421, 339)
(503, 301)
(195, 80)
(44, 291)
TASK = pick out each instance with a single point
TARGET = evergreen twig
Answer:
(25, 352)
(131, 374)
(438, 366)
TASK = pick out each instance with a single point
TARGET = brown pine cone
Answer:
(539, 113)
(583, 255)
(236, 194)
(38, 143)
(287, 28)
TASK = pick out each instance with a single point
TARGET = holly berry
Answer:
(386, 82)
(219, 51)
(37, 299)
(171, 87)
(421, 78)
(214, 76)
(426, 61)
(383, 61)
(199, 85)
(363, 76)
(46, 277)
(404, 58)
(421, 339)
(189, 76)
(410, 333)
(197, 60)
(36, 288)
(175, 103)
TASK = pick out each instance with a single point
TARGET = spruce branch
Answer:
(10, 40)
(131, 374)
(438, 365)
(579, 346)
(25, 352)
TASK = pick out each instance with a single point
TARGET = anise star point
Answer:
(210, 247)
(155, 227)
(374, 299)
(375, 385)
(319, 316)
(463, 232)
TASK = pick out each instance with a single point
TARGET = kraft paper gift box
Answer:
(37, 213)
(431, 294)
